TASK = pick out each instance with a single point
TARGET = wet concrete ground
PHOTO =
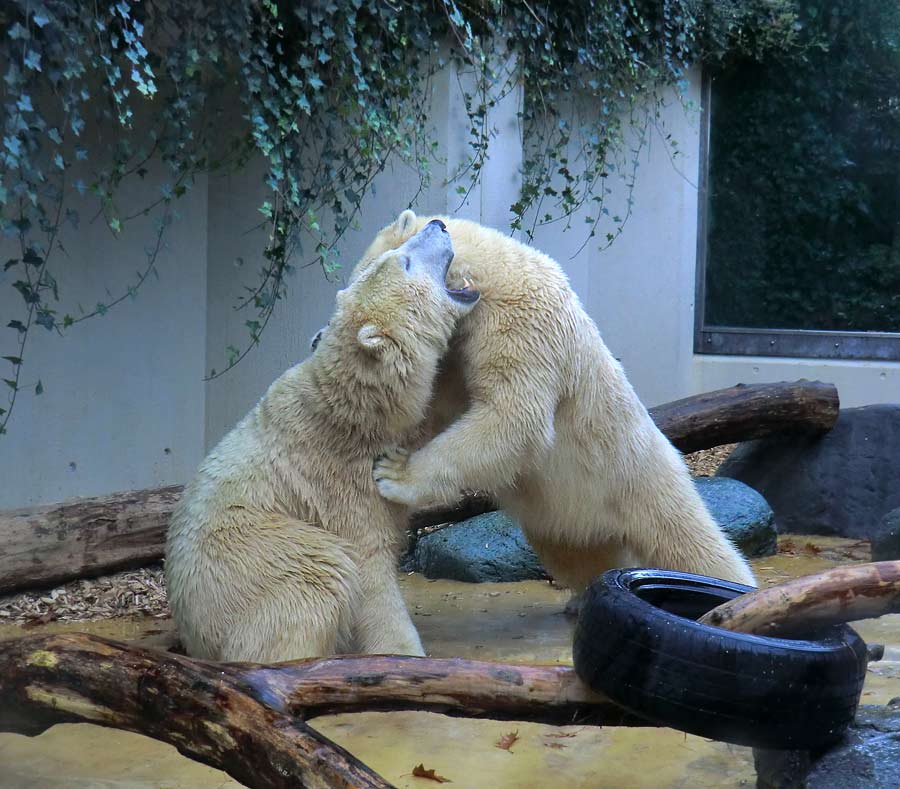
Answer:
(520, 622)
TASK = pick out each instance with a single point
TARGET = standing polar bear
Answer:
(537, 412)
(281, 547)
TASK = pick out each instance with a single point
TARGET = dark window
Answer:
(801, 217)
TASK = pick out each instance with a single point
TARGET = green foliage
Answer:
(329, 91)
(805, 178)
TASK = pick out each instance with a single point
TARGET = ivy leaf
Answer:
(10, 263)
(45, 319)
(11, 384)
(16, 360)
(33, 60)
(39, 388)
(18, 32)
(18, 325)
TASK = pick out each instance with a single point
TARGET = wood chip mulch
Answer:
(706, 462)
(144, 591)
(126, 593)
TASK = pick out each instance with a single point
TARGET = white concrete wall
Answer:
(858, 382)
(123, 399)
(640, 291)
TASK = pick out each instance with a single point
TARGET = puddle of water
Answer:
(518, 622)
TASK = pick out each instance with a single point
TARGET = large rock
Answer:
(867, 758)
(489, 547)
(886, 543)
(840, 484)
(492, 547)
(742, 513)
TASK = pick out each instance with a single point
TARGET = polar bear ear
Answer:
(371, 338)
(406, 223)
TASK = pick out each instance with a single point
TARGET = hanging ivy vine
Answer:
(330, 91)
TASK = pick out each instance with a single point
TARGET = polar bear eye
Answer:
(406, 260)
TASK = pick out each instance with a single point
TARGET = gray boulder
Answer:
(886, 543)
(742, 513)
(867, 758)
(492, 547)
(839, 484)
(489, 547)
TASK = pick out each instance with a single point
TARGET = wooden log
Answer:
(57, 543)
(451, 686)
(78, 678)
(842, 594)
(49, 545)
(748, 411)
(469, 506)
(248, 719)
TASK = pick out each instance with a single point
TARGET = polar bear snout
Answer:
(432, 246)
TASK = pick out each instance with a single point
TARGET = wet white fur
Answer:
(532, 407)
(281, 547)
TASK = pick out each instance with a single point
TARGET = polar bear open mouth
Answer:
(466, 294)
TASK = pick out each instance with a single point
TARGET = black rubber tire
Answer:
(636, 642)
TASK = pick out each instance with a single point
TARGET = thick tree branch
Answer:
(248, 719)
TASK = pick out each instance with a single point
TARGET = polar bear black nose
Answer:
(440, 224)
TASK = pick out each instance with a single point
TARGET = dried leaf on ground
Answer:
(507, 740)
(419, 771)
(558, 746)
(812, 548)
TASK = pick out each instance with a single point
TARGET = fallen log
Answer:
(57, 543)
(44, 546)
(250, 720)
(469, 506)
(842, 594)
(748, 411)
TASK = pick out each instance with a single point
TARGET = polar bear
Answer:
(532, 408)
(281, 547)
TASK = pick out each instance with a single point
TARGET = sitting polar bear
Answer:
(281, 547)
(538, 413)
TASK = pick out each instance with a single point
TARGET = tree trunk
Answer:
(248, 720)
(747, 411)
(842, 594)
(53, 544)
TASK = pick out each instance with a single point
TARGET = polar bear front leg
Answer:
(383, 624)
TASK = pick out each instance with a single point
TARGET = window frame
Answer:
(716, 340)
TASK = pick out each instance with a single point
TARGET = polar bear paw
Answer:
(391, 475)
